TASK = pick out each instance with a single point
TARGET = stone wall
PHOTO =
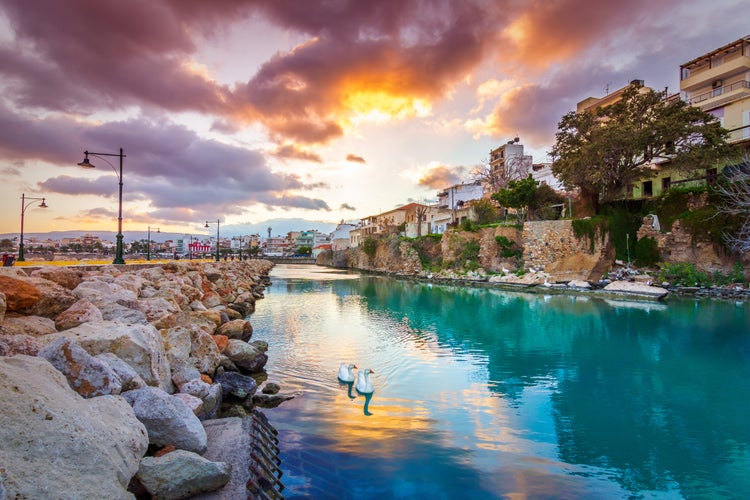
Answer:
(552, 246)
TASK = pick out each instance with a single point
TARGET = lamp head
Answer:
(86, 163)
(158, 230)
(206, 224)
(42, 204)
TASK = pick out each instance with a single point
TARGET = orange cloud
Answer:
(354, 158)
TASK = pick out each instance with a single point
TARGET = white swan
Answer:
(345, 372)
(364, 386)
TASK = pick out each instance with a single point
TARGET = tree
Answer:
(485, 211)
(734, 193)
(602, 151)
(518, 195)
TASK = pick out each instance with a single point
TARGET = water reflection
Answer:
(492, 394)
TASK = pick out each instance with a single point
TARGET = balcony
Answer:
(721, 95)
(705, 77)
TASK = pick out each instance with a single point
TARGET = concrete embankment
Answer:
(109, 377)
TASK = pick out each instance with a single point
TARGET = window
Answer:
(629, 191)
(648, 189)
(666, 182)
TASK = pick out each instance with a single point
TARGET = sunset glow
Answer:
(319, 111)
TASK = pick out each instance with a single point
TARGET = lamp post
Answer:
(148, 249)
(217, 237)
(86, 164)
(24, 206)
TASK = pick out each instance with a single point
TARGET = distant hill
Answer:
(278, 227)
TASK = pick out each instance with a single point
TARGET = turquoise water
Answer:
(488, 394)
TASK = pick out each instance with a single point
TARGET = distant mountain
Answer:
(278, 227)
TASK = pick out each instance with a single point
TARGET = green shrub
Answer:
(471, 250)
(683, 274)
(646, 252)
(370, 246)
(468, 225)
(508, 249)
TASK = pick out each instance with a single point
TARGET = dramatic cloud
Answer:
(216, 123)
(441, 176)
(354, 158)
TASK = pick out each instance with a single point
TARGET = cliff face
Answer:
(549, 245)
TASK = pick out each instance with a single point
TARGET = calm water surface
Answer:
(488, 394)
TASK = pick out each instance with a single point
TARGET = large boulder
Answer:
(237, 385)
(168, 419)
(53, 299)
(56, 444)
(139, 345)
(19, 344)
(159, 311)
(19, 293)
(210, 394)
(66, 277)
(636, 290)
(204, 353)
(87, 375)
(245, 356)
(236, 329)
(181, 474)
(129, 379)
(81, 312)
(36, 326)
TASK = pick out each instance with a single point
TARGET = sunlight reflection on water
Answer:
(480, 393)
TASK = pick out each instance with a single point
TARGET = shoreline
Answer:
(141, 357)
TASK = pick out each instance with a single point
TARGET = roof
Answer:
(726, 48)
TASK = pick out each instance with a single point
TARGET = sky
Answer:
(249, 111)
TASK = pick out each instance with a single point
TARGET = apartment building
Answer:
(719, 82)
(507, 162)
(454, 205)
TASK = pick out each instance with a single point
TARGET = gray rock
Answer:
(210, 394)
(195, 404)
(83, 311)
(183, 374)
(86, 375)
(245, 356)
(139, 345)
(112, 311)
(129, 378)
(636, 289)
(237, 385)
(168, 420)
(56, 444)
(181, 474)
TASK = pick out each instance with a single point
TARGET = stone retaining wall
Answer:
(552, 246)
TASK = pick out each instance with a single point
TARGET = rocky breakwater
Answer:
(104, 372)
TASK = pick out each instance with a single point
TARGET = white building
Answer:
(340, 236)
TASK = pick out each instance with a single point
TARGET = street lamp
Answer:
(217, 238)
(86, 164)
(24, 206)
(148, 250)
(239, 238)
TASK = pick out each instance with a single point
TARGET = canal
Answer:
(487, 394)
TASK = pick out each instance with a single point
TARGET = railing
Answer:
(719, 91)
(739, 134)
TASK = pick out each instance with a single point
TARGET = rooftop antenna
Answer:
(606, 88)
